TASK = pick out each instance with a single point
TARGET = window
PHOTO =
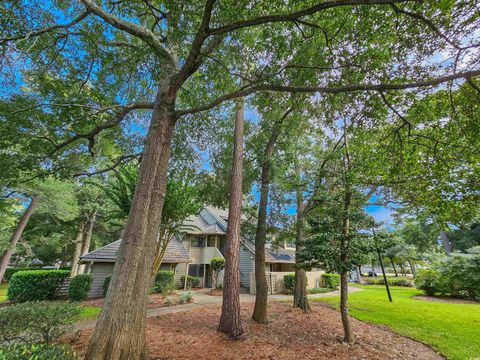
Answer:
(198, 241)
(196, 270)
(212, 241)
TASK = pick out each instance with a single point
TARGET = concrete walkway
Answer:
(201, 299)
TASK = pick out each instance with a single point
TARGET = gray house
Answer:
(193, 251)
(100, 263)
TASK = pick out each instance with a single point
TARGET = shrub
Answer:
(460, 274)
(217, 264)
(10, 271)
(186, 297)
(164, 282)
(106, 284)
(36, 285)
(79, 287)
(319, 290)
(289, 283)
(330, 281)
(192, 281)
(393, 281)
(37, 352)
(429, 280)
(41, 321)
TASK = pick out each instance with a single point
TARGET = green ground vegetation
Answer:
(451, 328)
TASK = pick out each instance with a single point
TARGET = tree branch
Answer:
(427, 22)
(35, 33)
(90, 136)
(298, 14)
(200, 37)
(247, 90)
(140, 32)
(117, 162)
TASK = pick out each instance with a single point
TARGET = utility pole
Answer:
(381, 265)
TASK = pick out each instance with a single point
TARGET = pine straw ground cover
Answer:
(155, 301)
(290, 334)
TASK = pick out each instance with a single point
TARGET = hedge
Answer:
(79, 287)
(36, 285)
(192, 281)
(393, 281)
(10, 271)
(330, 281)
(164, 282)
(289, 283)
(319, 290)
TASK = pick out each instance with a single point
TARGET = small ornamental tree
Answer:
(217, 264)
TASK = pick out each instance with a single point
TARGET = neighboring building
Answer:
(192, 252)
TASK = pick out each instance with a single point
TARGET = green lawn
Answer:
(453, 329)
(89, 312)
(3, 292)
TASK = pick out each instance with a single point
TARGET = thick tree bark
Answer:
(260, 313)
(349, 337)
(87, 239)
(230, 321)
(17, 234)
(393, 265)
(120, 330)
(300, 291)
(78, 248)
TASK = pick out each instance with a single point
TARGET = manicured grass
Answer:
(453, 329)
(3, 292)
(89, 312)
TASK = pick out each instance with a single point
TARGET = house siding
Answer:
(246, 266)
(99, 271)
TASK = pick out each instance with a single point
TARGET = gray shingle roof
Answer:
(273, 255)
(175, 253)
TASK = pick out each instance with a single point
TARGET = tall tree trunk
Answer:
(78, 248)
(300, 291)
(17, 234)
(412, 267)
(393, 265)
(349, 337)
(260, 313)
(359, 267)
(445, 242)
(120, 330)
(230, 321)
(402, 269)
(87, 239)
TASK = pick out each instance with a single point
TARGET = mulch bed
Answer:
(446, 299)
(215, 292)
(156, 301)
(290, 334)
